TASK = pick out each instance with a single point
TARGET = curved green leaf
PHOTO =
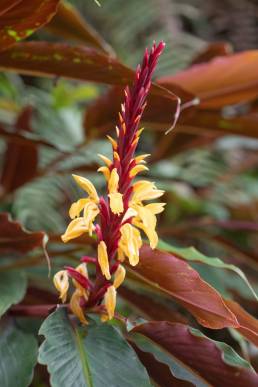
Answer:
(12, 289)
(18, 353)
(96, 355)
(191, 254)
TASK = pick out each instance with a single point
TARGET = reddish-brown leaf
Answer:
(176, 278)
(6, 5)
(69, 24)
(149, 308)
(19, 19)
(212, 51)
(204, 120)
(14, 238)
(20, 160)
(201, 355)
(223, 81)
(78, 62)
(248, 324)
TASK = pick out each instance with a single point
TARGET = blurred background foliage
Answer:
(211, 186)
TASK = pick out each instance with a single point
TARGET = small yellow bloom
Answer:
(119, 276)
(76, 228)
(103, 259)
(110, 301)
(77, 207)
(130, 243)
(145, 190)
(61, 282)
(90, 212)
(76, 308)
(113, 142)
(87, 186)
(105, 159)
(116, 198)
(140, 159)
(129, 214)
(150, 232)
(105, 171)
(148, 219)
(116, 202)
(137, 169)
(156, 208)
(82, 269)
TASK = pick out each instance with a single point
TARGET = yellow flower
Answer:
(87, 186)
(76, 308)
(82, 269)
(110, 301)
(116, 198)
(76, 228)
(61, 282)
(145, 190)
(103, 259)
(79, 225)
(119, 276)
(130, 243)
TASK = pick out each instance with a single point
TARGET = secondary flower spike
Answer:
(121, 216)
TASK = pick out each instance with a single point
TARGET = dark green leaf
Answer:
(12, 290)
(96, 355)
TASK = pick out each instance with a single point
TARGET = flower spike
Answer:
(118, 218)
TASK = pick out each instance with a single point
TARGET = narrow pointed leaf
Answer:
(223, 81)
(93, 356)
(19, 19)
(176, 278)
(193, 357)
(193, 255)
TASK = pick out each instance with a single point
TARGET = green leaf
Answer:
(12, 289)
(18, 354)
(96, 355)
(191, 254)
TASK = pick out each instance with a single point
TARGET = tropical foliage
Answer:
(178, 308)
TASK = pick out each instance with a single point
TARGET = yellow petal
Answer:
(61, 282)
(74, 230)
(76, 308)
(150, 233)
(146, 216)
(116, 202)
(110, 301)
(120, 255)
(105, 171)
(116, 156)
(105, 159)
(129, 243)
(113, 181)
(87, 186)
(103, 259)
(145, 190)
(77, 207)
(104, 317)
(137, 169)
(90, 212)
(156, 208)
(119, 276)
(140, 159)
(129, 214)
(113, 142)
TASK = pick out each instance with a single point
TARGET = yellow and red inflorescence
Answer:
(117, 219)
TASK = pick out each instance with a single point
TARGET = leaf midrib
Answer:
(83, 358)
